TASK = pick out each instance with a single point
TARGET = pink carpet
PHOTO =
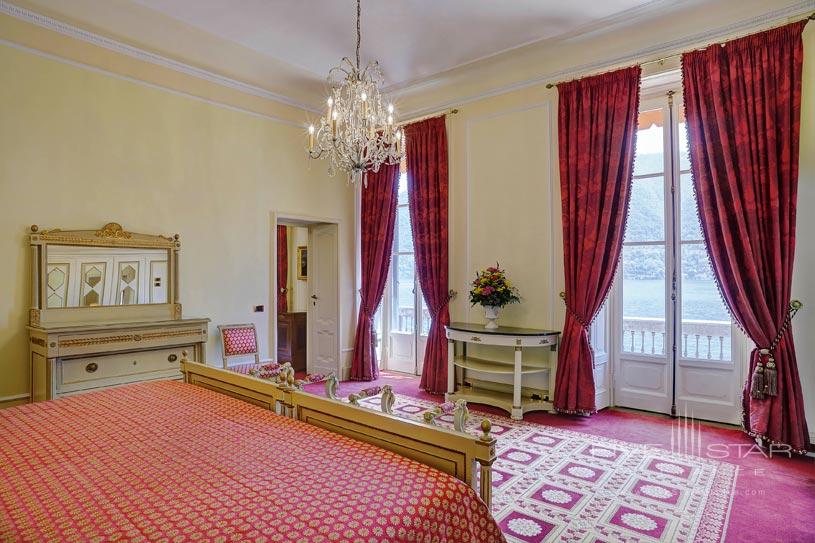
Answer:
(773, 499)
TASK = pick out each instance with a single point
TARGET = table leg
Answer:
(517, 411)
(451, 367)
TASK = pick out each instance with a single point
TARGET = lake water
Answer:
(700, 300)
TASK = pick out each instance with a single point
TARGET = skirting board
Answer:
(16, 399)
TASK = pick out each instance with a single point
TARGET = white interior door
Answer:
(323, 310)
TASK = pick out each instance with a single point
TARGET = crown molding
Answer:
(71, 31)
(679, 45)
(147, 84)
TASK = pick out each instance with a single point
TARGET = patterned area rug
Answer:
(552, 484)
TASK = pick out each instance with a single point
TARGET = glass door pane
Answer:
(705, 319)
(646, 210)
(643, 329)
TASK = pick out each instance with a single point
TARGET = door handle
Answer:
(314, 297)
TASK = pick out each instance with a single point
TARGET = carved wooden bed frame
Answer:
(455, 453)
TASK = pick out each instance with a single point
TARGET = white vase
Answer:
(491, 313)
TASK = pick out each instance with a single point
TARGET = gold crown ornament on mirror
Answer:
(357, 134)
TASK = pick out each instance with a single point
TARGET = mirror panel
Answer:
(81, 276)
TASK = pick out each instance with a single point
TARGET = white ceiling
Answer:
(428, 49)
(412, 39)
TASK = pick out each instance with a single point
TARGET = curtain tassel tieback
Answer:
(757, 384)
(765, 376)
(363, 306)
(450, 295)
(574, 313)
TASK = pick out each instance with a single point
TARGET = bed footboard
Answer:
(466, 457)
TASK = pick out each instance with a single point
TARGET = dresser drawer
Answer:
(99, 371)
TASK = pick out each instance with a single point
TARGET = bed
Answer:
(227, 457)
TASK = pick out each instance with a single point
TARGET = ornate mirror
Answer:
(108, 274)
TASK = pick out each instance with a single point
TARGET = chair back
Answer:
(239, 340)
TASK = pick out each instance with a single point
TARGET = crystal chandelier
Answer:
(357, 134)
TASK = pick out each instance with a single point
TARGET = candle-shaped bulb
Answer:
(363, 96)
(310, 137)
(390, 109)
(330, 101)
(311, 129)
(334, 116)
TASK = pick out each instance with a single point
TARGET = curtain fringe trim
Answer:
(581, 412)
(767, 438)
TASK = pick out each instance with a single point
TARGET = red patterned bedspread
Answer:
(166, 461)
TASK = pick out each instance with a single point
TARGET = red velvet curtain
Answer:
(378, 216)
(597, 126)
(282, 269)
(426, 150)
(743, 106)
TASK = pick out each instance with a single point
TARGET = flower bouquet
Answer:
(492, 290)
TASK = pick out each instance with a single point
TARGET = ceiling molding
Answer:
(800, 8)
(71, 31)
(607, 25)
(144, 83)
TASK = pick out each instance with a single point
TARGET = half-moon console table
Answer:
(514, 403)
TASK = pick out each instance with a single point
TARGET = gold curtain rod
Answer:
(661, 60)
(428, 116)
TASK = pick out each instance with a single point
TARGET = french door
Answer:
(673, 338)
(402, 321)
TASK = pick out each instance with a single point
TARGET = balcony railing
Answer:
(700, 339)
(406, 319)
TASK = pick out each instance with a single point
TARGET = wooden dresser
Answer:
(67, 360)
(291, 339)
(105, 311)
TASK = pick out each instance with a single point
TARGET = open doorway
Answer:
(304, 290)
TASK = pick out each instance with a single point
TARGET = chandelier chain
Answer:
(359, 31)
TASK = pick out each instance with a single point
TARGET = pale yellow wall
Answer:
(505, 205)
(80, 148)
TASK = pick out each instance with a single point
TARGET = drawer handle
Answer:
(92, 367)
(475, 338)
(172, 358)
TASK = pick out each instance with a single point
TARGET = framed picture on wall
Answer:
(302, 262)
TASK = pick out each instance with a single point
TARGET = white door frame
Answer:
(299, 219)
